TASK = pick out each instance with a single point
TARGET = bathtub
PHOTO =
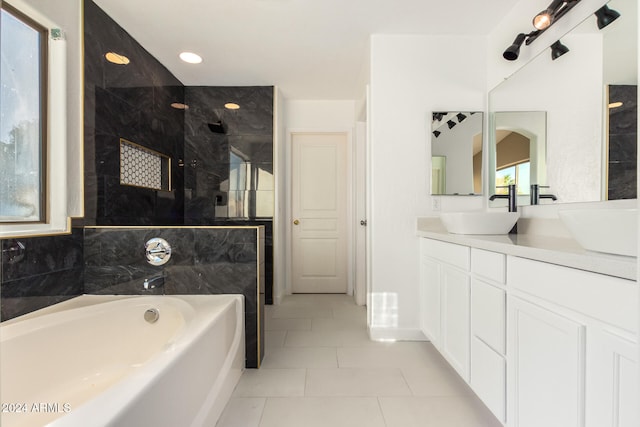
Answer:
(97, 361)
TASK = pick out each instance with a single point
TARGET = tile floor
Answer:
(321, 369)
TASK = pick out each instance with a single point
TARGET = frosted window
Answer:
(22, 112)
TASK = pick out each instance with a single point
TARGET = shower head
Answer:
(217, 127)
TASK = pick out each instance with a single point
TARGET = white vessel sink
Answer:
(613, 231)
(479, 222)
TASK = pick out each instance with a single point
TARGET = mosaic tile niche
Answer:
(141, 167)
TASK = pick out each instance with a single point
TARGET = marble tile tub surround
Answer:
(204, 260)
(248, 134)
(47, 271)
(133, 102)
(542, 237)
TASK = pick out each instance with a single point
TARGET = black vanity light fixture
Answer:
(543, 20)
(557, 50)
(606, 16)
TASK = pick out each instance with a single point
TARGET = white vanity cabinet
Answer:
(445, 300)
(572, 359)
(540, 344)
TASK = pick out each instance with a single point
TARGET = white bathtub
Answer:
(95, 361)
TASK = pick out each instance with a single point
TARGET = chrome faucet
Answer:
(535, 195)
(512, 196)
(154, 282)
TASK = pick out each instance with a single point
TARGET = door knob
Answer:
(296, 222)
(363, 222)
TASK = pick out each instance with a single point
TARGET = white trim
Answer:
(396, 334)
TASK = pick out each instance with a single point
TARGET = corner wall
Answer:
(411, 76)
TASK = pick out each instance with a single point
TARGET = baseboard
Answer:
(396, 334)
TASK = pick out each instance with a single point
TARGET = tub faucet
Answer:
(154, 282)
(535, 195)
(512, 196)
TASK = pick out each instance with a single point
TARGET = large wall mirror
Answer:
(588, 101)
(456, 153)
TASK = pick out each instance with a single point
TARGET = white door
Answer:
(319, 212)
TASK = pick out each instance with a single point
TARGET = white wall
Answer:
(320, 115)
(411, 76)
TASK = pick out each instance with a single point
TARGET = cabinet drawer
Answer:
(488, 377)
(608, 299)
(488, 312)
(456, 255)
(490, 265)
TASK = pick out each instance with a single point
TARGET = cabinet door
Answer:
(455, 319)
(612, 385)
(488, 377)
(545, 358)
(430, 299)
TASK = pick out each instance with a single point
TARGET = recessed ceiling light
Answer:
(190, 57)
(179, 106)
(116, 58)
(231, 106)
(615, 105)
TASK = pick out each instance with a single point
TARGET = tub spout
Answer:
(154, 282)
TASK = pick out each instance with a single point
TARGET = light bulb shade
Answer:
(543, 20)
(606, 16)
(513, 51)
(557, 50)
(451, 123)
(436, 133)
(460, 117)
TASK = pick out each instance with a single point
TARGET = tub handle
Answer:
(158, 251)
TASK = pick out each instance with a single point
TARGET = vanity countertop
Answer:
(555, 250)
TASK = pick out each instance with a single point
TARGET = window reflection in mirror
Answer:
(519, 156)
(23, 109)
(456, 152)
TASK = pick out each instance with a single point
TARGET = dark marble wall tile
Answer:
(623, 143)
(210, 191)
(39, 271)
(203, 261)
(132, 102)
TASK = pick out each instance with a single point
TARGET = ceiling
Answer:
(310, 49)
